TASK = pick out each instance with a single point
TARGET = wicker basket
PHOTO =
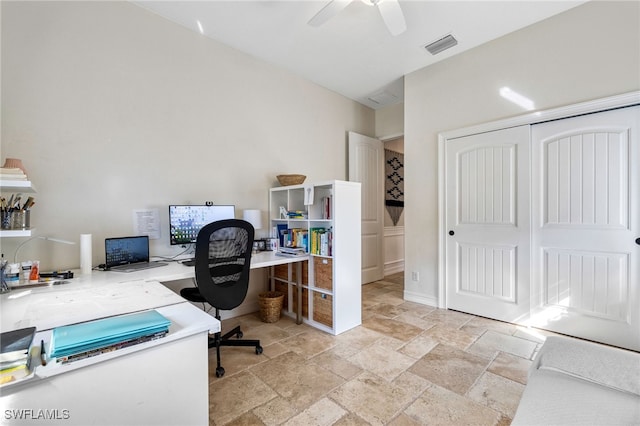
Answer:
(270, 306)
(286, 180)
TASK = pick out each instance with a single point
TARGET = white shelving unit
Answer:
(15, 186)
(331, 282)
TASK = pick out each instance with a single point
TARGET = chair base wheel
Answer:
(258, 350)
(219, 372)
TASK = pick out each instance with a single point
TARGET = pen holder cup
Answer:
(5, 217)
(4, 286)
(20, 219)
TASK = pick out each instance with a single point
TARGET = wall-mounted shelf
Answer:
(8, 233)
(9, 186)
(17, 186)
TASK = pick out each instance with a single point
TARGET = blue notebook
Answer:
(87, 336)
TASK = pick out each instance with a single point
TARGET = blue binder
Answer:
(87, 336)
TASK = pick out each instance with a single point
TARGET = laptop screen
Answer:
(125, 250)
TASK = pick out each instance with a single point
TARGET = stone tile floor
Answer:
(407, 364)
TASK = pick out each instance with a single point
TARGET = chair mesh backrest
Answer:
(223, 261)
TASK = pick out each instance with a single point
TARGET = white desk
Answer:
(160, 382)
(107, 294)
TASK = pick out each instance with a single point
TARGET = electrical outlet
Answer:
(415, 276)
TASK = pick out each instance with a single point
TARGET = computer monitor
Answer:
(185, 221)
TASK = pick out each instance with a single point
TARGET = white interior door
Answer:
(488, 226)
(586, 258)
(366, 165)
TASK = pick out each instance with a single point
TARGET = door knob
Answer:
(453, 233)
(638, 241)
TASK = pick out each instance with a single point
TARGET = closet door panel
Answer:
(585, 260)
(487, 219)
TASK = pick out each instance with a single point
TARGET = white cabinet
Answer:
(16, 186)
(328, 227)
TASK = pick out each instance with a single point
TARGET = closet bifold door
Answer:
(585, 223)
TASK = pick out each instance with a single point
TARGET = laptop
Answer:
(128, 254)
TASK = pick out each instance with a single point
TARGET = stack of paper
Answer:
(79, 341)
(15, 358)
(291, 251)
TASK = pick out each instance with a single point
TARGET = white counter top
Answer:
(101, 294)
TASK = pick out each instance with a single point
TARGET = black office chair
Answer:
(222, 265)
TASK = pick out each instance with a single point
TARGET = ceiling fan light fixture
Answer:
(390, 11)
(442, 44)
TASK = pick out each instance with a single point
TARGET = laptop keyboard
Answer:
(136, 266)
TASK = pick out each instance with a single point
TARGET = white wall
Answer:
(112, 108)
(588, 52)
(390, 129)
(390, 121)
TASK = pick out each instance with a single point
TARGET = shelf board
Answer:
(17, 186)
(7, 233)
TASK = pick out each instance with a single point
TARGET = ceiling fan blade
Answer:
(392, 16)
(329, 11)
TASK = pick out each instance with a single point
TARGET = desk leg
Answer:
(271, 279)
(299, 283)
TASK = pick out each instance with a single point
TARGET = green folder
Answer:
(87, 336)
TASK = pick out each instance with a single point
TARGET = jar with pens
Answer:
(15, 215)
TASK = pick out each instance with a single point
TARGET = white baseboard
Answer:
(394, 267)
(421, 298)
(247, 307)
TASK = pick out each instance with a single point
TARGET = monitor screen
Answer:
(185, 221)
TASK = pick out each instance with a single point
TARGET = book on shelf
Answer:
(321, 241)
(299, 238)
(281, 232)
(15, 354)
(296, 214)
(293, 237)
(326, 207)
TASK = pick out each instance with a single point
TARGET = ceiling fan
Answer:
(389, 9)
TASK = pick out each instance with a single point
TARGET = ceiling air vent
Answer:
(382, 98)
(443, 44)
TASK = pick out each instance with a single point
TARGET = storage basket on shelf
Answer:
(270, 305)
(286, 180)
